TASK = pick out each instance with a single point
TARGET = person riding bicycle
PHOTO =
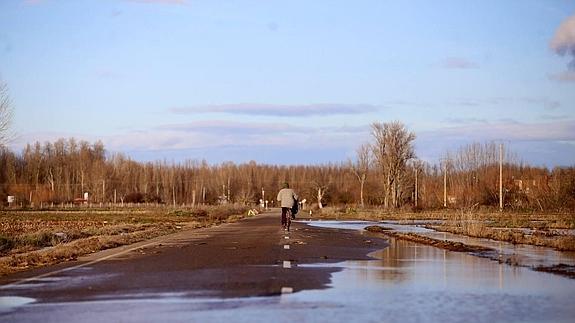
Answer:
(287, 198)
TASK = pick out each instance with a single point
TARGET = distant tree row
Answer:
(384, 173)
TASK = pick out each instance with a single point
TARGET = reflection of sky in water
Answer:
(525, 254)
(406, 283)
(411, 282)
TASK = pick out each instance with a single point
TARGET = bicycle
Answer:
(287, 224)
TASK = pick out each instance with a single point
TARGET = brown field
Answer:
(36, 238)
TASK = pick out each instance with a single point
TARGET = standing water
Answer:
(405, 282)
(409, 282)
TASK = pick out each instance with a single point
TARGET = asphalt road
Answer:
(252, 257)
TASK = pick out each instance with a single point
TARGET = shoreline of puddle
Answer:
(512, 254)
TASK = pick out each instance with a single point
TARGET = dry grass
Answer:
(544, 239)
(413, 237)
(35, 238)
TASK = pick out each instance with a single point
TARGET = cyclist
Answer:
(287, 197)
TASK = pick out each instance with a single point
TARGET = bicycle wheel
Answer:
(288, 219)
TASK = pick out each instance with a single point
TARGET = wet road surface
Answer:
(251, 258)
(331, 277)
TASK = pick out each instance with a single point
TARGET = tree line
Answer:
(385, 173)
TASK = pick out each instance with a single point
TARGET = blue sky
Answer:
(291, 81)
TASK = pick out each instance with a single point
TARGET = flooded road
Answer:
(405, 282)
(414, 283)
(525, 255)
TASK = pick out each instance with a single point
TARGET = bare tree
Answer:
(360, 168)
(392, 149)
(6, 113)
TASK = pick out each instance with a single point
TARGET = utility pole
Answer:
(445, 186)
(174, 195)
(416, 186)
(500, 177)
(229, 191)
(103, 191)
(115, 196)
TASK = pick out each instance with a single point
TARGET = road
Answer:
(243, 272)
(252, 257)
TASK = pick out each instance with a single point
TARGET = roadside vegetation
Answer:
(36, 238)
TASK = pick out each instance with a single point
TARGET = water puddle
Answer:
(405, 282)
(8, 303)
(525, 255)
(415, 283)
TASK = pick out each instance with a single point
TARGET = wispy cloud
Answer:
(279, 110)
(214, 134)
(231, 127)
(542, 102)
(458, 63)
(546, 103)
(221, 133)
(509, 130)
(554, 117)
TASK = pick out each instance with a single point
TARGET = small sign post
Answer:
(10, 200)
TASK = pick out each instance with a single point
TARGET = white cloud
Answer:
(563, 43)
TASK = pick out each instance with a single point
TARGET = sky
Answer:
(291, 82)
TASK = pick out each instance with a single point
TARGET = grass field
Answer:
(41, 237)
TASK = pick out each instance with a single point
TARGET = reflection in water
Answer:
(404, 283)
(525, 255)
(8, 303)
(412, 283)
(407, 262)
